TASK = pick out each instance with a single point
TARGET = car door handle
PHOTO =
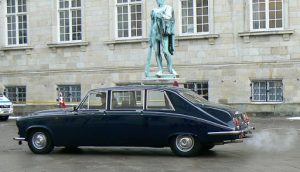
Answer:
(140, 111)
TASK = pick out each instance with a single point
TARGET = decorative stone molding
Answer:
(285, 34)
(54, 46)
(111, 44)
(210, 37)
(26, 49)
(17, 48)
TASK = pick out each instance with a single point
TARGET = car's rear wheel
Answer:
(40, 142)
(185, 145)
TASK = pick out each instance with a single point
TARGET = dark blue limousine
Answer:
(139, 116)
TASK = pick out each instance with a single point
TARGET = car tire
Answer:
(4, 118)
(185, 145)
(40, 142)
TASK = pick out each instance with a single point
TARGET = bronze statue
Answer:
(162, 38)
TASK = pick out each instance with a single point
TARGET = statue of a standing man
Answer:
(162, 37)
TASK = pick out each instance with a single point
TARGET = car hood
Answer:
(5, 101)
(51, 112)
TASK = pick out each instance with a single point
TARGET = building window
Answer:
(70, 93)
(267, 91)
(16, 22)
(200, 88)
(266, 14)
(194, 16)
(70, 20)
(16, 94)
(129, 18)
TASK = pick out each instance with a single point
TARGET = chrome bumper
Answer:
(247, 130)
(6, 114)
(19, 139)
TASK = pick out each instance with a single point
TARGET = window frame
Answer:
(17, 29)
(126, 109)
(210, 22)
(88, 95)
(196, 89)
(267, 10)
(70, 9)
(17, 101)
(267, 92)
(66, 98)
(172, 109)
(116, 4)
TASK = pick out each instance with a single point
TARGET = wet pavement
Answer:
(274, 147)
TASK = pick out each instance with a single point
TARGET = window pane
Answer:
(17, 94)
(126, 100)
(96, 100)
(275, 90)
(158, 100)
(272, 24)
(70, 20)
(71, 93)
(267, 91)
(200, 88)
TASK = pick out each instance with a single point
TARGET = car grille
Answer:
(4, 106)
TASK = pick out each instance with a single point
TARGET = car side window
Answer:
(126, 100)
(158, 100)
(95, 100)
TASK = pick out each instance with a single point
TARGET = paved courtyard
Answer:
(273, 148)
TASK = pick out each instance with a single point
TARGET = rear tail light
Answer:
(237, 122)
(246, 118)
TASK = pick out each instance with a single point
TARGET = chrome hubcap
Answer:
(39, 140)
(184, 143)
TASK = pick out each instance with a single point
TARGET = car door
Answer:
(84, 126)
(124, 120)
(160, 118)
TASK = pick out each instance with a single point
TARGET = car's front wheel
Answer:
(40, 142)
(185, 145)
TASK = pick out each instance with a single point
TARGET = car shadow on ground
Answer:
(163, 152)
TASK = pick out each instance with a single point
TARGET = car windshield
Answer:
(192, 96)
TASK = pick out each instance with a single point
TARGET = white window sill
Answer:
(27, 49)
(113, 43)
(82, 45)
(211, 37)
(266, 103)
(12, 48)
(285, 34)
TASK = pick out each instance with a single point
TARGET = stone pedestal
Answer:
(162, 81)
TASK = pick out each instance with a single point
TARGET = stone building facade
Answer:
(239, 52)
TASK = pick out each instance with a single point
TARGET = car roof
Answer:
(137, 87)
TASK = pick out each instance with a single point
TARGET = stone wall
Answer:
(228, 57)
